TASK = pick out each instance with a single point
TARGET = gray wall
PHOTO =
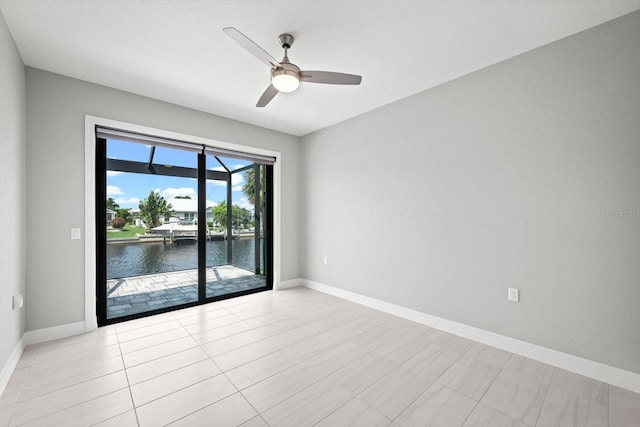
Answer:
(56, 107)
(525, 174)
(12, 192)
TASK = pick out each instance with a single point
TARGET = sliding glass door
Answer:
(177, 227)
(236, 253)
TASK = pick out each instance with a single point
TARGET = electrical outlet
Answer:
(75, 234)
(326, 261)
(18, 301)
(514, 295)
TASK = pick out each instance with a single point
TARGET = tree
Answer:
(219, 212)
(240, 217)
(125, 214)
(111, 204)
(249, 187)
(153, 208)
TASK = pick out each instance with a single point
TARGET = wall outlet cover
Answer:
(18, 301)
(75, 234)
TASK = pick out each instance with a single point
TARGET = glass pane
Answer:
(231, 249)
(128, 151)
(152, 256)
(169, 157)
(233, 164)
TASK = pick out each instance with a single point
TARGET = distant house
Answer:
(135, 213)
(185, 211)
(110, 215)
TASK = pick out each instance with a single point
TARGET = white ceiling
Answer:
(175, 50)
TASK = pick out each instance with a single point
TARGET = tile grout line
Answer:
(321, 379)
(15, 404)
(396, 369)
(434, 381)
(222, 372)
(174, 370)
(324, 333)
(316, 354)
(77, 404)
(546, 395)
(487, 390)
(156, 358)
(354, 396)
(609, 401)
(124, 368)
(311, 356)
(62, 388)
(299, 341)
(259, 414)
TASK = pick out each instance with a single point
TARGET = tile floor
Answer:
(296, 358)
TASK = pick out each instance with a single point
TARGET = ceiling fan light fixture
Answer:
(285, 80)
(285, 76)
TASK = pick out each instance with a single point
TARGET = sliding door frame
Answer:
(92, 251)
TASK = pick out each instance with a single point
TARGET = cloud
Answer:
(236, 179)
(237, 188)
(221, 169)
(112, 190)
(129, 201)
(183, 191)
(244, 203)
(114, 173)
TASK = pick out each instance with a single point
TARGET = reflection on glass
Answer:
(151, 252)
(152, 228)
(236, 232)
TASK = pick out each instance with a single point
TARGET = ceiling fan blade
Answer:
(251, 46)
(329, 77)
(267, 96)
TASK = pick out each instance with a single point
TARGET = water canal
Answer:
(137, 259)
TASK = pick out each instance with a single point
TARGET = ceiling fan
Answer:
(286, 76)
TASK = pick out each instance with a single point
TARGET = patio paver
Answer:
(137, 294)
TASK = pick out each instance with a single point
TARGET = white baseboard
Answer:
(10, 366)
(288, 284)
(35, 337)
(588, 368)
(53, 333)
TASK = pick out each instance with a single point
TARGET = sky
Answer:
(128, 189)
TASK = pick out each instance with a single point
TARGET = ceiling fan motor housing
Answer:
(286, 78)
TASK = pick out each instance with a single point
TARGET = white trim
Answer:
(90, 319)
(35, 337)
(90, 322)
(288, 284)
(10, 366)
(605, 373)
(53, 333)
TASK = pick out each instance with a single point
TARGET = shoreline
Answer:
(158, 238)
